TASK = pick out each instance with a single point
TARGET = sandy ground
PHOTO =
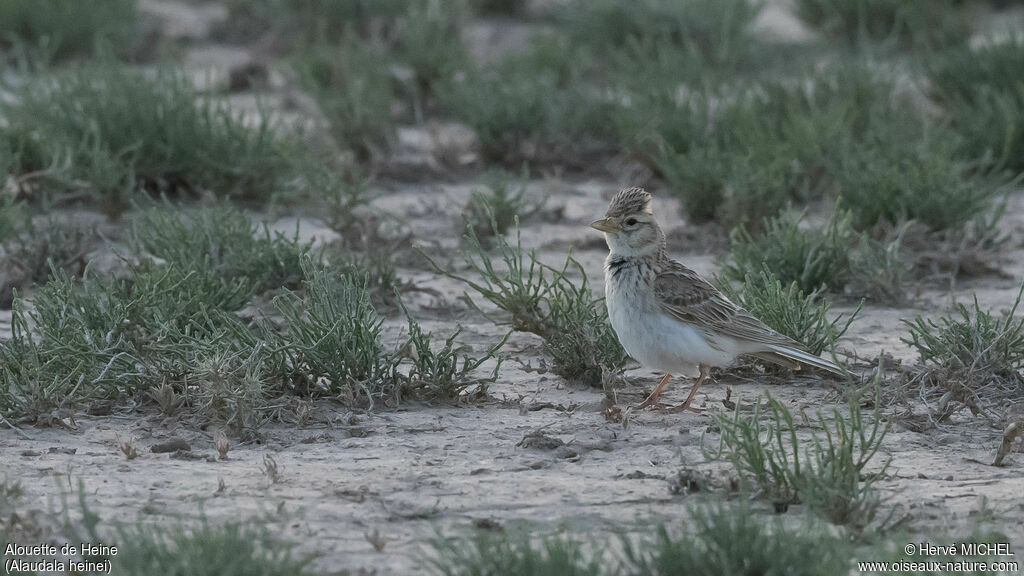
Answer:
(411, 473)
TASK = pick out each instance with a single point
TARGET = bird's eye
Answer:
(630, 221)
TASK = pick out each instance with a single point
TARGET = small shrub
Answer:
(811, 258)
(438, 374)
(103, 339)
(735, 156)
(428, 39)
(974, 355)
(294, 24)
(332, 340)
(981, 91)
(338, 192)
(331, 344)
(545, 301)
(495, 209)
(720, 539)
(829, 476)
(510, 555)
(893, 180)
(532, 106)
(354, 89)
(224, 242)
(788, 310)
(711, 34)
(230, 388)
(914, 24)
(12, 216)
(105, 132)
(715, 540)
(66, 29)
(232, 548)
(27, 256)
(879, 268)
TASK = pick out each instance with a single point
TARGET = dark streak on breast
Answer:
(616, 265)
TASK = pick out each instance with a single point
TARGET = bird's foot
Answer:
(684, 407)
(648, 404)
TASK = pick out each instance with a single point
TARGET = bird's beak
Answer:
(605, 225)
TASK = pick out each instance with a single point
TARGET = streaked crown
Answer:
(629, 201)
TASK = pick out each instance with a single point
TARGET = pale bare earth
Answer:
(416, 471)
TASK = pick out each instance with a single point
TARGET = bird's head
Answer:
(629, 226)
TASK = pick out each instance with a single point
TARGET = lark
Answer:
(670, 319)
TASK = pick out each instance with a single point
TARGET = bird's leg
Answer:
(652, 400)
(693, 392)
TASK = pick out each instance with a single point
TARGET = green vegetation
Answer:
(30, 249)
(298, 23)
(974, 356)
(354, 89)
(66, 29)
(223, 242)
(893, 181)
(532, 106)
(913, 24)
(546, 301)
(105, 132)
(495, 208)
(428, 40)
(811, 258)
(167, 327)
(832, 257)
(232, 548)
(751, 151)
(714, 540)
(830, 476)
(788, 310)
(707, 35)
(981, 91)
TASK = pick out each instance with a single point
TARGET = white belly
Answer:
(654, 339)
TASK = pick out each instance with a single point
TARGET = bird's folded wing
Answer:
(684, 295)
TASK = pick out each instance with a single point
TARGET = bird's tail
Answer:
(807, 358)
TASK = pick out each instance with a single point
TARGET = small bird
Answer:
(670, 319)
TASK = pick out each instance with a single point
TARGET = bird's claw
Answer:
(685, 406)
(667, 408)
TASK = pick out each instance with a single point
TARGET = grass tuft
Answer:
(981, 92)
(354, 89)
(892, 180)
(68, 29)
(439, 374)
(973, 355)
(512, 556)
(812, 258)
(715, 540)
(224, 242)
(105, 133)
(31, 248)
(708, 34)
(719, 539)
(829, 476)
(332, 341)
(428, 40)
(912, 24)
(547, 302)
(788, 310)
(495, 208)
(532, 106)
(232, 548)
